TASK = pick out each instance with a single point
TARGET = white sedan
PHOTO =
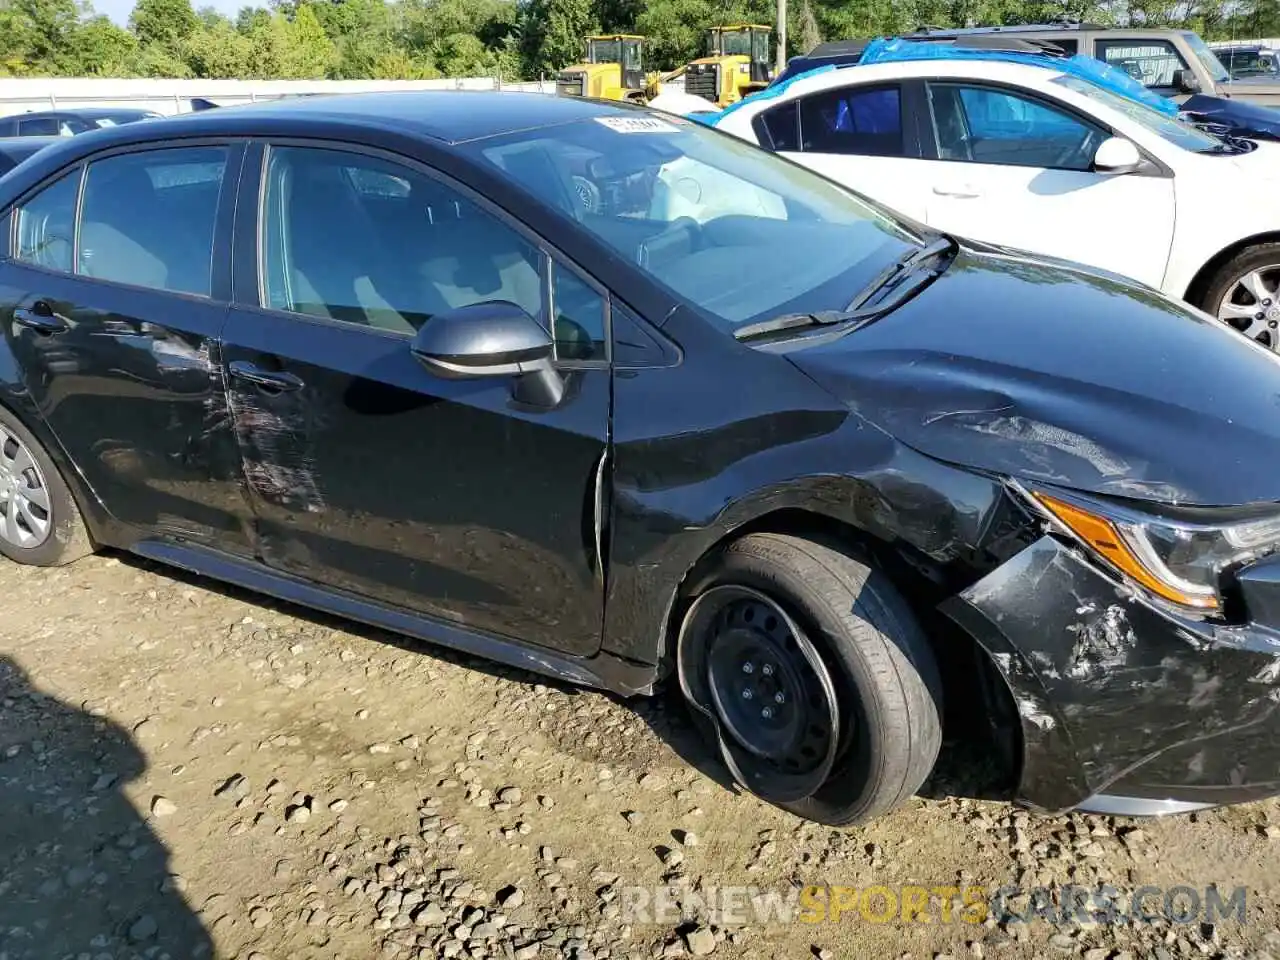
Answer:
(1041, 160)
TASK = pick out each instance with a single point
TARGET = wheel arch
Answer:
(18, 403)
(1199, 284)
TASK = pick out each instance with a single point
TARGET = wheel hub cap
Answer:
(1252, 306)
(25, 519)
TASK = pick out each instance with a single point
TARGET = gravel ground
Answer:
(190, 771)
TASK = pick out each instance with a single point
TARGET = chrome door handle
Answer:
(267, 379)
(40, 318)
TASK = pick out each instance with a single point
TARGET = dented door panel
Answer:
(441, 497)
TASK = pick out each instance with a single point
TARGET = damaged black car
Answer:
(613, 397)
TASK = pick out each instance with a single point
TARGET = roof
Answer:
(616, 36)
(87, 112)
(451, 116)
(741, 26)
(23, 147)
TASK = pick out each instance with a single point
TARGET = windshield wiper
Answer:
(859, 309)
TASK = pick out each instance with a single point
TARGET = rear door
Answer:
(863, 136)
(114, 296)
(1016, 169)
(369, 474)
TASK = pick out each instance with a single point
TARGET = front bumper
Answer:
(1125, 707)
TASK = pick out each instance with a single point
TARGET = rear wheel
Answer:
(40, 523)
(1244, 294)
(812, 678)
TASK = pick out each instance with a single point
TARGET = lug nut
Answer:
(748, 667)
(779, 697)
(767, 712)
(767, 670)
(747, 694)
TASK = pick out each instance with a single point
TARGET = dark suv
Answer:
(68, 123)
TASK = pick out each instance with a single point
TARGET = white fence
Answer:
(24, 94)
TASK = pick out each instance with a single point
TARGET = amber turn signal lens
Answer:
(1102, 535)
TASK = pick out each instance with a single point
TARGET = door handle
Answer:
(278, 380)
(961, 192)
(40, 318)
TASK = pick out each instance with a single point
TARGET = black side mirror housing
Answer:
(1185, 81)
(495, 338)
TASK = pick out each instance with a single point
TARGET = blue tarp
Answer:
(1086, 68)
(898, 50)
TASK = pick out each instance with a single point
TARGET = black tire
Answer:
(68, 539)
(884, 672)
(1245, 262)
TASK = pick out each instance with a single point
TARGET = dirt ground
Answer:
(189, 771)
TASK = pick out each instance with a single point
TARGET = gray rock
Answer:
(163, 807)
(512, 795)
(144, 928)
(431, 915)
(700, 941)
(510, 897)
(236, 785)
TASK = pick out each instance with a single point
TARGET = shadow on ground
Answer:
(83, 874)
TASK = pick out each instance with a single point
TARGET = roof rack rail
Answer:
(924, 29)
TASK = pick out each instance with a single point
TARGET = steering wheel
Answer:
(1078, 156)
(586, 194)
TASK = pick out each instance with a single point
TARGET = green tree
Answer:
(100, 48)
(551, 33)
(163, 22)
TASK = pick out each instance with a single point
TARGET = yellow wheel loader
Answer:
(738, 62)
(613, 70)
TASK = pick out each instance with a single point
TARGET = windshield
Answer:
(728, 227)
(733, 43)
(1248, 63)
(604, 51)
(1207, 57)
(1175, 131)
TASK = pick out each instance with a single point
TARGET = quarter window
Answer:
(862, 121)
(780, 127)
(147, 219)
(989, 125)
(46, 225)
(1150, 62)
(372, 243)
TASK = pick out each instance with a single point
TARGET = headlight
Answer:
(1177, 560)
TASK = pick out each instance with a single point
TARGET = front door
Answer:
(1016, 170)
(115, 321)
(367, 472)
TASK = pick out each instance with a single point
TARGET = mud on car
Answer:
(621, 399)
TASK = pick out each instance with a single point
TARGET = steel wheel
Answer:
(26, 516)
(1251, 305)
(763, 688)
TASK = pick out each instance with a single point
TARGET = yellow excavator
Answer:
(738, 62)
(613, 70)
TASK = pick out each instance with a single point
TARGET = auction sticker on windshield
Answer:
(637, 124)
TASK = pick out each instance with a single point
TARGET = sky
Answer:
(118, 10)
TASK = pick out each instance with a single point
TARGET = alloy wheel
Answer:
(26, 518)
(1252, 306)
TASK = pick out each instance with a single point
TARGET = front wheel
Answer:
(812, 678)
(1244, 294)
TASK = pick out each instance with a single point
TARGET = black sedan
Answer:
(614, 397)
(69, 122)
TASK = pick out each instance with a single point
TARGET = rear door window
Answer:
(864, 121)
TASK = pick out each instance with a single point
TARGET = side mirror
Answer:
(491, 339)
(1117, 155)
(1184, 81)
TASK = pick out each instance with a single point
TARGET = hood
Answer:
(1239, 116)
(1024, 367)
(1247, 86)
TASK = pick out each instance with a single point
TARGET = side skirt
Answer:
(603, 671)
